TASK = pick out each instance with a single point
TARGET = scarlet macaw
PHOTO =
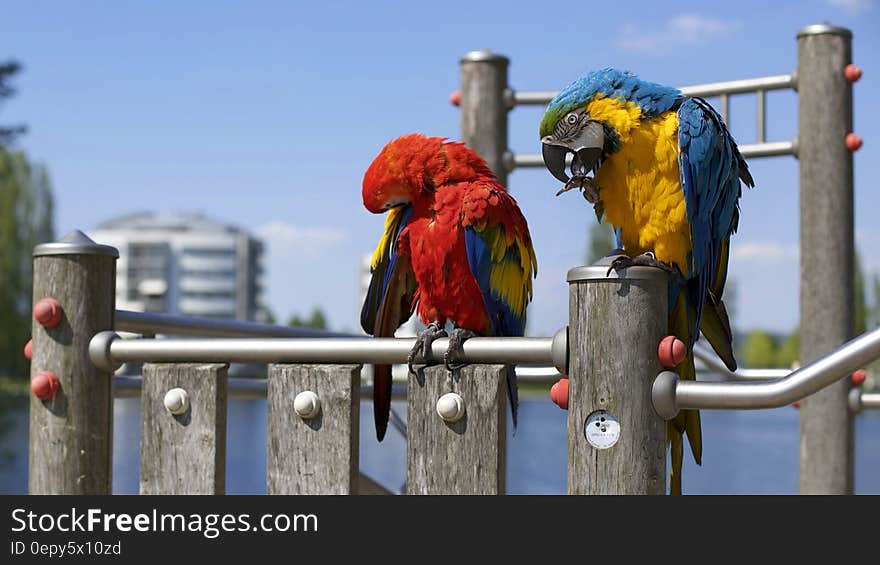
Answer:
(667, 177)
(455, 246)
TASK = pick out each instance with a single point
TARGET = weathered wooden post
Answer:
(826, 253)
(71, 427)
(484, 107)
(183, 428)
(616, 441)
(456, 428)
(313, 429)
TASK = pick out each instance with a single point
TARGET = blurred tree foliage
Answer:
(26, 219)
(601, 241)
(317, 320)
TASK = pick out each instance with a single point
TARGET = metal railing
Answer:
(671, 394)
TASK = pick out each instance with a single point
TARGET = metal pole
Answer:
(71, 430)
(484, 108)
(826, 219)
(108, 350)
(616, 441)
(671, 395)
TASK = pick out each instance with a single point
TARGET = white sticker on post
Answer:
(602, 429)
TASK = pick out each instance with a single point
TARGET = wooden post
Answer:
(827, 251)
(464, 457)
(316, 453)
(184, 452)
(616, 442)
(71, 435)
(484, 107)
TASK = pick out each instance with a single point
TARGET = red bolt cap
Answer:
(858, 377)
(853, 141)
(559, 393)
(796, 404)
(45, 385)
(852, 73)
(455, 98)
(29, 349)
(47, 311)
(671, 351)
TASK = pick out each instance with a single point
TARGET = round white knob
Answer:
(306, 404)
(450, 407)
(176, 401)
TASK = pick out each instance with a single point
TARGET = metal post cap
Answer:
(824, 28)
(75, 243)
(484, 56)
(663, 395)
(99, 351)
(599, 271)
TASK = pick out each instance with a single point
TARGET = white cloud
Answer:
(283, 237)
(852, 5)
(765, 252)
(683, 29)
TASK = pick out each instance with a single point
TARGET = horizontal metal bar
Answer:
(129, 386)
(755, 150)
(870, 400)
(107, 350)
(858, 399)
(671, 394)
(150, 323)
(776, 82)
(714, 363)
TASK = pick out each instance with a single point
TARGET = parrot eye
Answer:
(571, 119)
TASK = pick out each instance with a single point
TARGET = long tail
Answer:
(687, 421)
(512, 393)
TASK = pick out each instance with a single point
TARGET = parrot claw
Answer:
(424, 339)
(585, 184)
(644, 260)
(456, 342)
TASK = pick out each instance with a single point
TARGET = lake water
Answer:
(746, 452)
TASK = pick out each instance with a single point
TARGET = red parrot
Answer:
(456, 247)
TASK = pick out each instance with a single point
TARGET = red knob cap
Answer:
(455, 98)
(858, 377)
(796, 404)
(47, 311)
(559, 393)
(852, 73)
(853, 141)
(29, 349)
(45, 385)
(671, 351)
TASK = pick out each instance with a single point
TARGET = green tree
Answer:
(317, 320)
(7, 71)
(26, 212)
(759, 349)
(790, 350)
(601, 241)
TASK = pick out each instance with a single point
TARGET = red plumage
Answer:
(448, 190)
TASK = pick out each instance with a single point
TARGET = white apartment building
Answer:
(185, 264)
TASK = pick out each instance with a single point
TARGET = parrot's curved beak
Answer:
(587, 146)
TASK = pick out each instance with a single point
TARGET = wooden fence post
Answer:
(463, 457)
(484, 107)
(616, 442)
(183, 441)
(313, 440)
(827, 306)
(71, 432)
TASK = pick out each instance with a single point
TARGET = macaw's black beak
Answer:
(554, 160)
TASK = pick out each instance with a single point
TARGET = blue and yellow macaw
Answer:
(666, 176)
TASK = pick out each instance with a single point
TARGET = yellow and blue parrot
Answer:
(666, 176)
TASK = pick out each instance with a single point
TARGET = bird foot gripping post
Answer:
(616, 441)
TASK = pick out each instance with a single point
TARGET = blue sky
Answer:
(266, 115)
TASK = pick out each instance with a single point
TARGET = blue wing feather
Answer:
(504, 321)
(710, 166)
(380, 278)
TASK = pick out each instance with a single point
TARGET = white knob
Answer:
(450, 407)
(306, 404)
(177, 401)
